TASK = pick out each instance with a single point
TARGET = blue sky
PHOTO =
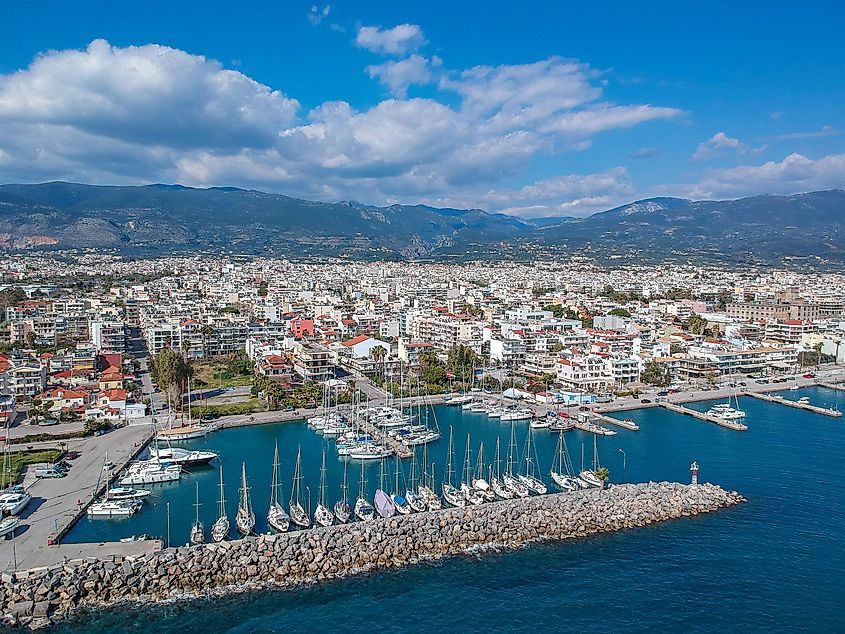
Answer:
(532, 109)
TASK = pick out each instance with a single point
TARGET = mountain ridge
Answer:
(162, 218)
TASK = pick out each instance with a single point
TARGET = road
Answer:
(54, 501)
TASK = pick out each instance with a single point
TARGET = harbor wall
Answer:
(43, 596)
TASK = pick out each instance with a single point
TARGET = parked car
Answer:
(809, 375)
(645, 400)
(47, 471)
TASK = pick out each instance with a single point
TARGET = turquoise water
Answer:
(774, 564)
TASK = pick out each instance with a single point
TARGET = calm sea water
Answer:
(774, 564)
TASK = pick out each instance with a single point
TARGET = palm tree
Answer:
(378, 354)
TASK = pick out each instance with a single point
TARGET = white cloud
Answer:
(317, 15)
(795, 173)
(399, 41)
(824, 131)
(646, 153)
(398, 76)
(153, 113)
(713, 146)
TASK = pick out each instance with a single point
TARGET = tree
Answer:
(30, 338)
(92, 425)
(9, 297)
(38, 411)
(676, 348)
(620, 312)
(696, 325)
(171, 372)
(656, 373)
(603, 474)
(461, 361)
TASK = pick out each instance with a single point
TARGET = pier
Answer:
(825, 411)
(833, 386)
(383, 438)
(626, 424)
(721, 422)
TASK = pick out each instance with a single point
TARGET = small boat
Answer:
(496, 483)
(8, 526)
(150, 472)
(364, 511)
(322, 515)
(510, 481)
(183, 457)
(298, 515)
(114, 508)
(590, 476)
(128, 493)
(245, 517)
(197, 530)
(541, 423)
(468, 491)
(399, 501)
(561, 471)
(804, 400)
(14, 501)
(276, 516)
(220, 528)
(479, 484)
(382, 501)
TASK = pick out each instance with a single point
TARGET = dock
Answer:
(380, 437)
(626, 424)
(824, 411)
(721, 422)
(593, 428)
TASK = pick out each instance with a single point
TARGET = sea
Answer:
(775, 564)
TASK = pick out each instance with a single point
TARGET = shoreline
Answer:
(45, 596)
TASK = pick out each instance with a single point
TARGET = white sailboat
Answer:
(481, 486)
(513, 484)
(427, 489)
(415, 501)
(342, 509)
(220, 528)
(322, 515)
(467, 490)
(561, 471)
(496, 482)
(590, 476)
(399, 500)
(245, 517)
(298, 515)
(276, 516)
(451, 494)
(105, 508)
(529, 478)
(364, 511)
(197, 530)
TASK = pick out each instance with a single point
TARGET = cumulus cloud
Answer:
(399, 41)
(153, 113)
(399, 75)
(795, 173)
(713, 146)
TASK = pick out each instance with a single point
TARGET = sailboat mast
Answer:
(222, 494)
(323, 480)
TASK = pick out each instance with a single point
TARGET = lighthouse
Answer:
(694, 469)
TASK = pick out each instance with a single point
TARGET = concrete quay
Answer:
(824, 411)
(721, 422)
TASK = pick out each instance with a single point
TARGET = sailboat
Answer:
(452, 495)
(197, 530)
(298, 514)
(187, 431)
(590, 476)
(513, 484)
(415, 501)
(426, 490)
(479, 484)
(245, 517)
(529, 479)
(13, 502)
(467, 490)
(220, 529)
(322, 515)
(276, 516)
(383, 502)
(364, 511)
(342, 510)
(496, 483)
(561, 471)
(399, 500)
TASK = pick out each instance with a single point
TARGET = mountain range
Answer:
(161, 219)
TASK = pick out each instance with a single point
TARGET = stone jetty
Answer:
(43, 596)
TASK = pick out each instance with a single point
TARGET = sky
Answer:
(531, 109)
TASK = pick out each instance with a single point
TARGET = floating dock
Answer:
(721, 422)
(594, 428)
(825, 411)
(627, 424)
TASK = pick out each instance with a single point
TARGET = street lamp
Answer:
(624, 459)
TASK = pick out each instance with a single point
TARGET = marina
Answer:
(722, 422)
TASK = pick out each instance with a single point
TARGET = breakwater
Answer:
(46, 595)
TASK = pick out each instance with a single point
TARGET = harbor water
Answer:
(773, 564)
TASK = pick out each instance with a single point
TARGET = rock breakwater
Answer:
(42, 596)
